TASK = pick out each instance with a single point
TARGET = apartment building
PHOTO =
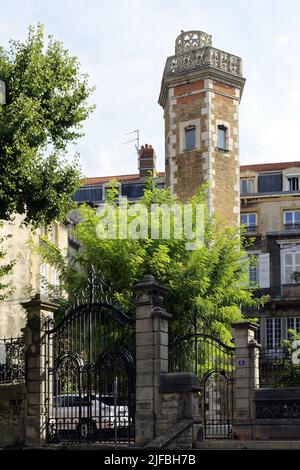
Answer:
(270, 210)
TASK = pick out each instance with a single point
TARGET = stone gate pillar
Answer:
(246, 379)
(37, 361)
(151, 355)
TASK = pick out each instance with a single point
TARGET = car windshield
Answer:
(77, 400)
(109, 400)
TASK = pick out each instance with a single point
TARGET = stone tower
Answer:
(200, 94)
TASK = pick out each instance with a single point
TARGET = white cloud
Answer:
(282, 39)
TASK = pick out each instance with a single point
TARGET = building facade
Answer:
(29, 274)
(270, 210)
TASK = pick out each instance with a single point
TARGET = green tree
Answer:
(47, 103)
(5, 269)
(209, 282)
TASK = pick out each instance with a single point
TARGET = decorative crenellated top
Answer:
(205, 56)
(193, 49)
(195, 56)
(191, 40)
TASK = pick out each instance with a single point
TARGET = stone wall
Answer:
(277, 414)
(174, 420)
(12, 414)
(170, 403)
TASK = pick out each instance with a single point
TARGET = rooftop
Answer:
(120, 178)
(270, 166)
(261, 167)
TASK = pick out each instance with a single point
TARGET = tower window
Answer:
(190, 137)
(222, 137)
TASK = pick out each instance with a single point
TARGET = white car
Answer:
(87, 416)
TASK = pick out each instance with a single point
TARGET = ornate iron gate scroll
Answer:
(213, 362)
(90, 351)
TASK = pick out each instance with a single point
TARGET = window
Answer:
(115, 188)
(291, 264)
(274, 332)
(269, 182)
(253, 270)
(222, 137)
(292, 219)
(250, 220)
(247, 185)
(190, 137)
(257, 333)
(293, 323)
(54, 278)
(54, 233)
(293, 183)
(264, 270)
(133, 191)
(43, 231)
(43, 277)
(92, 194)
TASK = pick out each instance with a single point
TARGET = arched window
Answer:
(190, 137)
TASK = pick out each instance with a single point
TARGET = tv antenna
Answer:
(136, 139)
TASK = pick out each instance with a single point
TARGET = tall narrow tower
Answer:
(200, 94)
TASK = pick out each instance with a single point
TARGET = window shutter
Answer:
(264, 270)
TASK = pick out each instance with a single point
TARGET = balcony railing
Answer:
(292, 226)
(251, 229)
(285, 291)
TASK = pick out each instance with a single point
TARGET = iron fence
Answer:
(277, 368)
(12, 362)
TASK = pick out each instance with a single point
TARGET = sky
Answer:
(123, 46)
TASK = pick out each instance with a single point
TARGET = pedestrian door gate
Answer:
(213, 362)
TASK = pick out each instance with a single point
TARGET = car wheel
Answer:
(86, 429)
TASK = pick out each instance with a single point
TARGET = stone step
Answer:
(229, 444)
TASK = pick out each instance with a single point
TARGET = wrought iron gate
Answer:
(90, 359)
(213, 362)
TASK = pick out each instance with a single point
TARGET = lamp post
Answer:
(2, 92)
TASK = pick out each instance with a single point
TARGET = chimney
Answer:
(147, 161)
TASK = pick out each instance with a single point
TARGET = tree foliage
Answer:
(5, 269)
(209, 282)
(46, 105)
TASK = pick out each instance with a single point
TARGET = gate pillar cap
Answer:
(245, 325)
(40, 302)
(150, 283)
